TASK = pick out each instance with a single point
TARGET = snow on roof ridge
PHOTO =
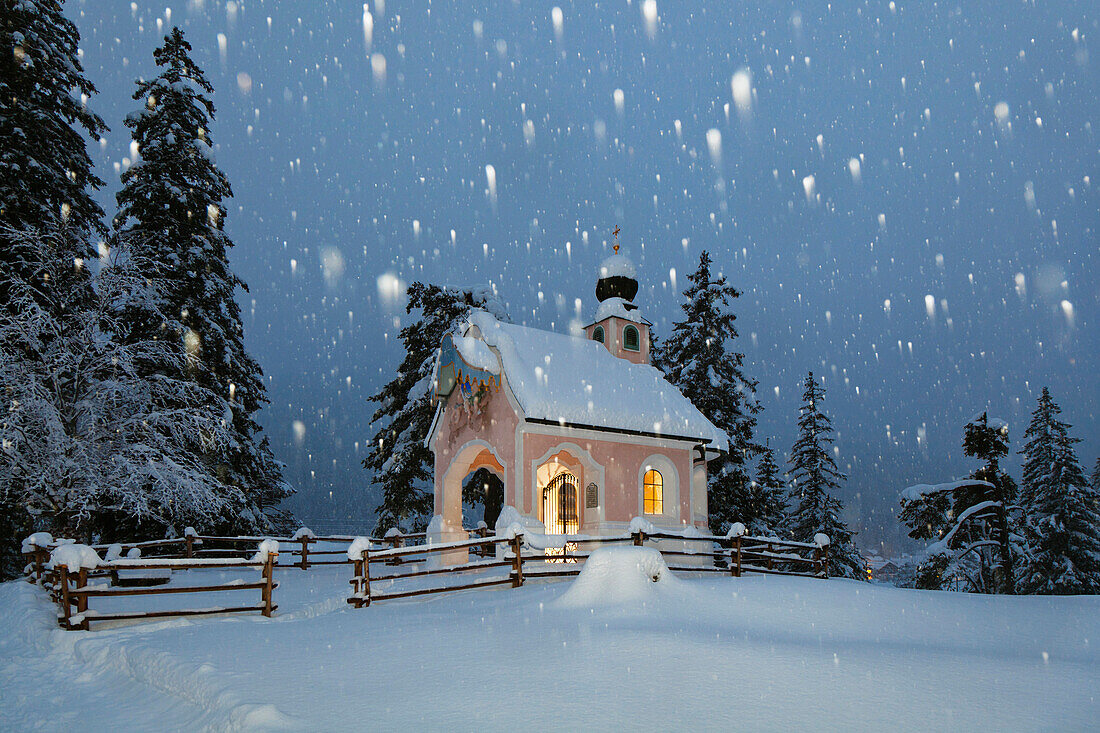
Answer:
(564, 378)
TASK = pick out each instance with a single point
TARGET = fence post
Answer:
(366, 577)
(82, 598)
(825, 561)
(39, 561)
(304, 565)
(356, 583)
(638, 538)
(63, 579)
(736, 566)
(189, 550)
(269, 576)
(517, 561)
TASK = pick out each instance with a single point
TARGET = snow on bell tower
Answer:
(618, 324)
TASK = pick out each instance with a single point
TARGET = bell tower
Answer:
(618, 324)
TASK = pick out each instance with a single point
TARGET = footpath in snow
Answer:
(603, 652)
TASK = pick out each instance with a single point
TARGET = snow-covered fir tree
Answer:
(700, 359)
(767, 498)
(46, 175)
(401, 465)
(46, 183)
(815, 479)
(89, 448)
(973, 523)
(1061, 509)
(170, 229)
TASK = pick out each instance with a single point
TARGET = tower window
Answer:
(630, 339)
(597, 334)
(653, 492)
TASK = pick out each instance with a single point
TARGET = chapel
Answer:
(579, 430)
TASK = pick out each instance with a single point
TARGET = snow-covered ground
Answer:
(763, 653)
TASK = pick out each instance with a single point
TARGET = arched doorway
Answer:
(485, 487)
(561, 504)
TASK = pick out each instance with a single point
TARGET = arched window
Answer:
(653, 492)
(630, 339)
(597, 334)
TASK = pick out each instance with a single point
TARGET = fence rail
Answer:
(397, 560)
(778, 557)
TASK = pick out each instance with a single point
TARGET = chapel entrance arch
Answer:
(561, 504)
(470, 459)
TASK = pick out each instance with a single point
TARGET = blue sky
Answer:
(905, 192)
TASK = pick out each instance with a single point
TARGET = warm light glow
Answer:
(653, 493)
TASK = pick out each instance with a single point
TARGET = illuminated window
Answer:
(630, 339)
(653, 493)
(597, 334)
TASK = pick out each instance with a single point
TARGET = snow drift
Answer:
(615, 576)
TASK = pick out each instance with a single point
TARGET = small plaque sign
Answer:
(591, 496)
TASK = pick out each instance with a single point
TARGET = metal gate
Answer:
(560, 502)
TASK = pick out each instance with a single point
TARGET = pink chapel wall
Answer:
(622, 465)
(456, 451)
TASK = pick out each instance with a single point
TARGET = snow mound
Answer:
(638, 524)
(304, 532)
(267, 547)
(821, 539)
(615, 576)
(38, 539)
(358, 547)
(75, 557)
(736, 530)
(619, 308)
(618, 266)
(511, 523)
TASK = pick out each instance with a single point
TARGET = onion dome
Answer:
(617, 278)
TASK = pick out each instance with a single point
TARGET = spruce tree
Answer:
(402, 466)
(170, 227)
(815, 481)
(1063, 516)
(974, 524)
(700, 359)
(767, 503)
(46, 175)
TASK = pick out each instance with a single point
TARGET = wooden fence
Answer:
(742, 555)
(399, 559)
(73, 590)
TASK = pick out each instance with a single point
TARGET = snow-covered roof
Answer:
(564, 378)
(618, 307)
(617, 266)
